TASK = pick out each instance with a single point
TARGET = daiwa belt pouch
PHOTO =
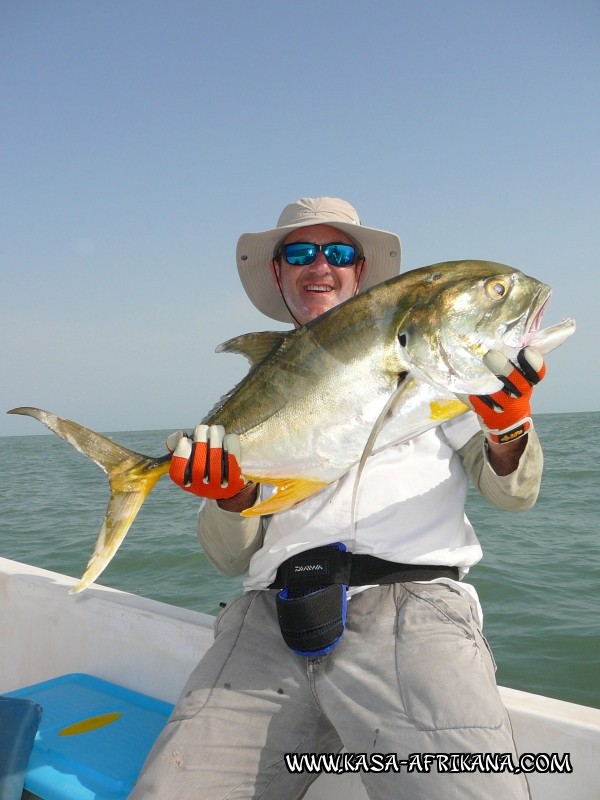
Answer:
(312, 615)
(311, 605)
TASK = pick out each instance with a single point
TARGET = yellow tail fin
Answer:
(131, 477)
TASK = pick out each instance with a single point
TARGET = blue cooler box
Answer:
(93, 738)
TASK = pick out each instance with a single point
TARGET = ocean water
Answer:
(539, 581)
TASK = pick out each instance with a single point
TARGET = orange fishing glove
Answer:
(206, 464)
(506, 414)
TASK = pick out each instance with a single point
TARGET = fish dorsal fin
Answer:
(254, 346)
(389, 409)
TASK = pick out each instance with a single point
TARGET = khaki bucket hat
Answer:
(255, 251)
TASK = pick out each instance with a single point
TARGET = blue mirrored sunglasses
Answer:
(301, 254)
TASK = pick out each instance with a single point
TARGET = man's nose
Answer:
(320, 264)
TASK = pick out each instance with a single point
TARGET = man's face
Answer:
(311, 290)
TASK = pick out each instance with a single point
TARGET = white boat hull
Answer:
(152, 647)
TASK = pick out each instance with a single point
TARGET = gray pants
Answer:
(412, 674)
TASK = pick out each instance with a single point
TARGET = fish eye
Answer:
(402, 338)
(496, 288)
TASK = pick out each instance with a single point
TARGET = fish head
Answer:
(464, 310)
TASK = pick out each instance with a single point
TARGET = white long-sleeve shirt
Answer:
(410, 508)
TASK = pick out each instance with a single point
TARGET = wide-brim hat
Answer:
(255, 251)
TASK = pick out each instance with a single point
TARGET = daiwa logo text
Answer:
(308, 567)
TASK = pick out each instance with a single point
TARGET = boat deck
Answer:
(151, 648)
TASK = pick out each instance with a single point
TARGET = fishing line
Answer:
(359, 276)
(368, 448)
(273, 264)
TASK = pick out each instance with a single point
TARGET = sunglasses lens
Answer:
(340, 255)
(299, 254)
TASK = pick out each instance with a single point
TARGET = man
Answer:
(395, 664)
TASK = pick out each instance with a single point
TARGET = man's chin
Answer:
(318, 306)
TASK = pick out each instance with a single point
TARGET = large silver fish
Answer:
(380, 368)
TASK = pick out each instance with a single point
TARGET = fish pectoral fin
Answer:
(289, 492)
(447, 409)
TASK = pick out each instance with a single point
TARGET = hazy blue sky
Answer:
(139, 138)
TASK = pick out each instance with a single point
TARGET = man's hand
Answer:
(207, 463)
(506, 415)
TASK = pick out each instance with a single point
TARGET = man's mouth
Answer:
(317, 287)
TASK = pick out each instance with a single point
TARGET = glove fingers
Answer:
(216, 465)
(232, 454)
(504, 369)
(183, 448)
(213, 434)
(498, 363)
(173, 440)
(516, 378)
(201, 434)
(204, 465)
(506, 414)
(179, 462)
(531, 364)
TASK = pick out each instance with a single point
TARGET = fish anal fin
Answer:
(289, 492)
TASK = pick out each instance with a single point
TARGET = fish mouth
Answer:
(536, 314)
(519, 332)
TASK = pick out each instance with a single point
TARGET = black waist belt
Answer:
(325, 566)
